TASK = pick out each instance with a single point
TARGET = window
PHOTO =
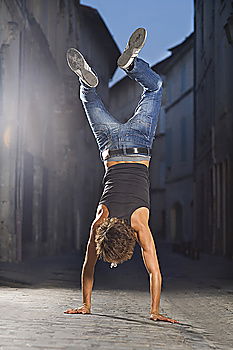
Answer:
(169, 93)
(183, 77)
(169, 148)
(183, 140)
(162, 121)
(162, 174)
(202, 25)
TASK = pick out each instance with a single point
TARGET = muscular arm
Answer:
(87, 277)
(88, 271)
(150, 259)
(149, 255)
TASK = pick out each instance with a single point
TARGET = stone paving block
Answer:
(33, 317)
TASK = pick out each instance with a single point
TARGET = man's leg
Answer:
(151, 82)
(132, 49)
(79, 66)
(138, 69)
(102, 123)
(94, 107)
(146, 114)
(100, 120)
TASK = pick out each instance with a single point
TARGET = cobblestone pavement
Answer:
(34, 294)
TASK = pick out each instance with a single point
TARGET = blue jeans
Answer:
(139, 130)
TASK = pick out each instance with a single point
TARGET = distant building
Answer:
(213, 146)
(50, 170)
(177, 70)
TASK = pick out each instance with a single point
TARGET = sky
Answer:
(168, 23)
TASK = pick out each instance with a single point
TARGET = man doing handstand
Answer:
(125, 148)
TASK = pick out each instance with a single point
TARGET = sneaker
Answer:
(78, 65)
(134, 45)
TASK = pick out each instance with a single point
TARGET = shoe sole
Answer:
(133, 47)
(79, 66)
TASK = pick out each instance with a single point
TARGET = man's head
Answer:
(115, 240)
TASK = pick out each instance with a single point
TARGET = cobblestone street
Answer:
(35, 294)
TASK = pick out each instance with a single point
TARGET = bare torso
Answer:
(108, 164)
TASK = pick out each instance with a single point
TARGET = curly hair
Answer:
(115, 240)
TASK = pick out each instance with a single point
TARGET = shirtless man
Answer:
(125, 148)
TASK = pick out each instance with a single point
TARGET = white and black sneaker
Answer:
(133, 47)
(78, 65)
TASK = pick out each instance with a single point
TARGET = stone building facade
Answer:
(177, 70)
(49, 162)
(213, 147)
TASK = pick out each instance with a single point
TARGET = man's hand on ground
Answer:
(81, 310)
(159, 317)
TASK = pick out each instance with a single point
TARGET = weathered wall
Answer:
(213, 127)
(178, 71)
(50, 169)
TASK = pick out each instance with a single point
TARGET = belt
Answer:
(108, 153)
